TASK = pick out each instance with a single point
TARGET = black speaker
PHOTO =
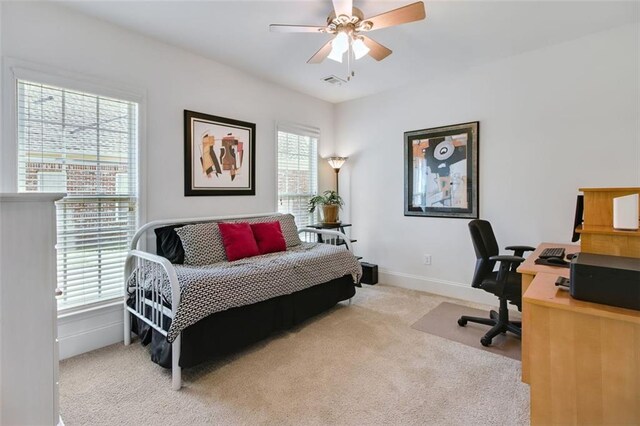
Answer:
(369, 273)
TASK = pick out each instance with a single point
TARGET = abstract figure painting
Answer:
(441, 171)
(219, 155)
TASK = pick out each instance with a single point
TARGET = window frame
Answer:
(305, 130)
(14, 70)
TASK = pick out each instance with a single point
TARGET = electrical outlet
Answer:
(427, 259)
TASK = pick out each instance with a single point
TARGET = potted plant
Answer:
(331, 202)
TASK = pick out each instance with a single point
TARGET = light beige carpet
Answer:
(361, 364)
(443, 321)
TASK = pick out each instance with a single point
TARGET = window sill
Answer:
(90, 310)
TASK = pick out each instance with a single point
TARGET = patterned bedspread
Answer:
(208, 289)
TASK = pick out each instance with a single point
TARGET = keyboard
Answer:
(552, 252)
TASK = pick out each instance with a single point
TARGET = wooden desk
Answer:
(584, 358)
(529, 269)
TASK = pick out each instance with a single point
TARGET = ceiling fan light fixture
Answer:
(341, 42)
(359, 48)
(346, 23)
(335, 55)
(339, 46)
(365, 26)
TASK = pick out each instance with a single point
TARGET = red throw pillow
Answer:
(238, 240)
(269, 237)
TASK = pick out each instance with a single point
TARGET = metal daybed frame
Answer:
(149, 305)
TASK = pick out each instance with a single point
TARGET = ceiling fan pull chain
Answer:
(349, 72)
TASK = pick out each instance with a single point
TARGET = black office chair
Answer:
(505, 283)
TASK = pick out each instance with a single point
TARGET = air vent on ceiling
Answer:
(332, 79)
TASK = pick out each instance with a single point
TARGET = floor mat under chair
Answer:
(442, 321)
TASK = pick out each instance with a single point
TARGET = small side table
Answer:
(339, 225)
(370, 271)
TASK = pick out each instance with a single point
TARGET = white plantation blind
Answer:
(85, 145)
(297, 170)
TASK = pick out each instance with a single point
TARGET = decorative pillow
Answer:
(168, 244)
(287, 225)
(202, 244)
(238, 240)
(269, 237)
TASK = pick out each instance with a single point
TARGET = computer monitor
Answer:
(577, 221)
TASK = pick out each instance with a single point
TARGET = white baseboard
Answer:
(437, 286)
(86, 331)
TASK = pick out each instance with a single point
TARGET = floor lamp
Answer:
(336, 163)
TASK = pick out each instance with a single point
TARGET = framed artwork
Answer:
(441, 171)
(219, 155)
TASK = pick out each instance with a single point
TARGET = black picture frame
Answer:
(442, 182)
(215, 157)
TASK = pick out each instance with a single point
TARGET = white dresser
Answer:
(28, 329)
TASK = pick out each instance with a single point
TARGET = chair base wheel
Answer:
(462, 322)
(485, 342)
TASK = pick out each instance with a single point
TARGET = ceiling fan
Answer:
(347, 24)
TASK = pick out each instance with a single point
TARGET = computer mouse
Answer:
(571, 256)
(556, 261)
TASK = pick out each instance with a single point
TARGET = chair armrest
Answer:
(518, 248)
(507, 263)
(505, 258)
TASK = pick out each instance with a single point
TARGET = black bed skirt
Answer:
(228, 331)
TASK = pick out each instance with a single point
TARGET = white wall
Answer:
(551, 121)
(173, 80)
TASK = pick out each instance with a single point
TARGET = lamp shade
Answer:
(334, 55)
(339, 46)
(336, 162)
(341, 42)
(359, 48)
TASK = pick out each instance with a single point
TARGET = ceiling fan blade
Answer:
(343, 7)
(402, 15)
(283, 28)
(322, 53)
(376, 50)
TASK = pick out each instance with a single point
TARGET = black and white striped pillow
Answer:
(202, 244)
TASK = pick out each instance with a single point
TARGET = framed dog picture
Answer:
(219, 155)
(441, 171)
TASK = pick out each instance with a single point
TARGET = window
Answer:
(85, 145)
(297, 170)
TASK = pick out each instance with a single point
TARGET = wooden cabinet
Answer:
(584, 362)
(28, 314)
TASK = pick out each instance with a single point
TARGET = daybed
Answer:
(191, 304)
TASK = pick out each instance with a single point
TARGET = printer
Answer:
(610, 280)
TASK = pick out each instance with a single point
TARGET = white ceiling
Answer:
(456, 35)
